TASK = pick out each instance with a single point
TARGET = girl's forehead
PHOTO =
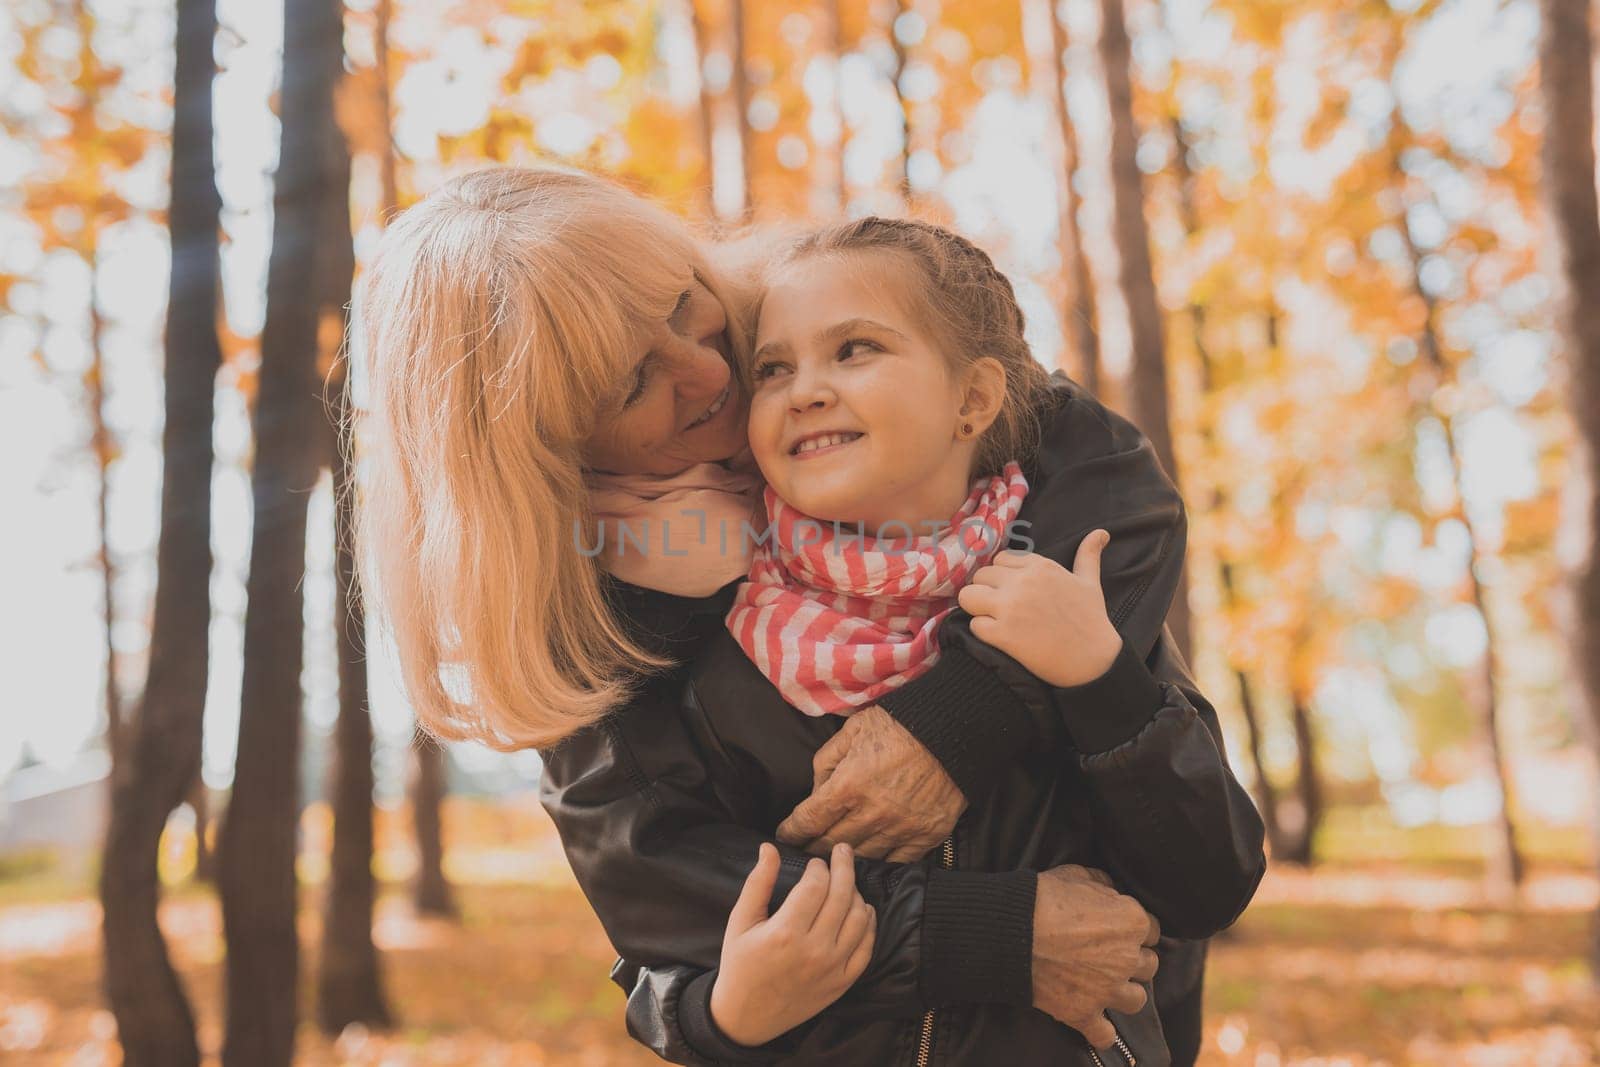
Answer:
(877, 278)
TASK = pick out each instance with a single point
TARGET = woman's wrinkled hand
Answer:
(1093, 950)
(877, 790)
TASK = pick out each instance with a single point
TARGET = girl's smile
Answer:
(823, 443)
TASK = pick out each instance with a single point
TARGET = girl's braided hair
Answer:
(969, 309)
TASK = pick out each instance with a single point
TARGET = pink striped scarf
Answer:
(836, 620)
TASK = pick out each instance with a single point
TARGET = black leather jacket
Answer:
(662, 805)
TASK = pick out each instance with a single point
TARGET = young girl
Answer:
(891, 409)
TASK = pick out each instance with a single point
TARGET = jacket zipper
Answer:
(1121, 1046)
(947, 860)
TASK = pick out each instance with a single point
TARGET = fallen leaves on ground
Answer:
(1349, 965)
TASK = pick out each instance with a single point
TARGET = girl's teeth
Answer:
(814, 443)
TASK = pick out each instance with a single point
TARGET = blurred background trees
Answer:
(1566, 57)
(1332, 257)
(157, 755)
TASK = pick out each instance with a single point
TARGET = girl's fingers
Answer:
(841, 891)
(862, 954)
(990, 576)
(1011, 559)
(1086, 564)
(987, 629)
(978, 599)
(800, 909)
(756, 896)
(858, 921)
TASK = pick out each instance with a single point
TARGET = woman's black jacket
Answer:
(661, 806)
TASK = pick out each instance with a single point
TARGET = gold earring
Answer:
(966, 429)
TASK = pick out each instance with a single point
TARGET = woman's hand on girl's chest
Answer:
(878, 790)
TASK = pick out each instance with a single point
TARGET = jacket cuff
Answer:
(702, 1034)
(972, 722)
(1111, 710)
(977, 938)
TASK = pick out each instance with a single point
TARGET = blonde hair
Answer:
(498, 318)
(970, 309)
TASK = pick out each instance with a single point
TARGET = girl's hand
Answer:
(1051, 620)
(778, 972)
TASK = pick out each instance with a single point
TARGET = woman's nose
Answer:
(697, 370)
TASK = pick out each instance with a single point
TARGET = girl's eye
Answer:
(855, 344)
(769, 369)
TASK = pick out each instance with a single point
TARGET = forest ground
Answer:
(1389, 953)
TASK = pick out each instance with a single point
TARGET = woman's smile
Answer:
(716, 405)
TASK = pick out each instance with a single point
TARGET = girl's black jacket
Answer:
(661, 805)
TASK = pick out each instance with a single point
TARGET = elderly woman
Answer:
(547, 350)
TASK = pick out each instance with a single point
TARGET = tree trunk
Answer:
(707, 127)
(833, 40)
(1300, 847)
(256, 864)
(903, 182)
(1504, 861)
(1506, 865)
(1077, 287)
(741, 103)
(387, 178)
(1147, 376)
(349, 977)
(431, 892)
(154, 1022)
(350, 980)
(1566, 57)
(1266, 792)
(205, 862)
(101, 446)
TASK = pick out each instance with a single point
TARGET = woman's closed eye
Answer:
(641, 373)
(683, 302)
(641, 378)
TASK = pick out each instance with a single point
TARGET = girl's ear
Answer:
(983, 395)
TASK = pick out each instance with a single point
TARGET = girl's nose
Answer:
(810, 390)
